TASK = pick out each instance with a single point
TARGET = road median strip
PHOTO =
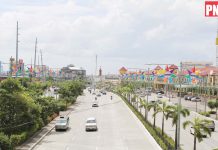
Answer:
(165, 142)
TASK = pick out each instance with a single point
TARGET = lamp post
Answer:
(179, 106)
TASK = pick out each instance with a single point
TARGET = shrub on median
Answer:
(207, 114)
(212, 112)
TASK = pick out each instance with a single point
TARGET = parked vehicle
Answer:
(196, 99)
(202, 132)
(211, 125)
(162, 92)
(62, 123)
(149, 89)
(99, 94)
(91, 124)
(182, 94)
(104, 92)
(188, 97)
(159, 95)
(95, 104)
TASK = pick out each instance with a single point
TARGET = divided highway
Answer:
(118, 128)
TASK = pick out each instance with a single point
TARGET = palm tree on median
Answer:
(155, 107)
(173, 113)
(144, 104)
(200, 129)
(164, 110)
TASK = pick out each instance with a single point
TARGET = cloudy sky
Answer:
(126, 33)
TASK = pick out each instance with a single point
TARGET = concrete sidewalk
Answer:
(39, 135)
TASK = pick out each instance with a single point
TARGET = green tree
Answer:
(70, 90)
(49, 106)
(18, 110)
(216, 106)
(155, 107)
(199, 126)
(173, 113)
(164, 110)
(145, 105)
(211, 104)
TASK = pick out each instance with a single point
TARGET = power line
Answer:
(20, 125)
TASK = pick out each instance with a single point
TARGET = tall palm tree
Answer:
(133, 100)
(173, 113)
(164, 110)
(144, 104)
(155, 107)
(199, 126)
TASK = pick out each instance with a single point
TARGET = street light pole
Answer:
(179, 106)
(147, 97)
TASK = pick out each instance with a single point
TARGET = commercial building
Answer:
(71, 73)
(197, 64)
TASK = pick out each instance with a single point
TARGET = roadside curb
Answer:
(37, 142)
(205, 116)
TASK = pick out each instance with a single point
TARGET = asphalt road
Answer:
(118, 128)
(187, 139)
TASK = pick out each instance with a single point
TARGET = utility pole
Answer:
(42, 66)
(17, 50)
(34, 72)
(39, 72)
(96, 61)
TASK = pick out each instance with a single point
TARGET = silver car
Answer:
(159, 95)
(91, 124)
(202, 132)
(62, 123)
(196, 99)
(95, 104)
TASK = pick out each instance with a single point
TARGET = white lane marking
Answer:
(96, 148)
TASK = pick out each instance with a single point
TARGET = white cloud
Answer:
(121, 32)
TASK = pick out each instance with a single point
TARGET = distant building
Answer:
(123, 70)
(71, 72)
(196, 64)
(100, 72)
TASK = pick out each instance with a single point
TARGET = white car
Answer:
(62, 123)
(91, 124)
(159, 95)
(196, 99)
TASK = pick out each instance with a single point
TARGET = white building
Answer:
(71, 72)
